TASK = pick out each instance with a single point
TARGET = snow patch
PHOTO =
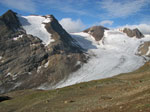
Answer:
(2, 61)
(1, 57)
(32, 45)
(35, 25)
(29, 73)
(38, 69)
(8, 74)
(78, 63)
(16, 38)
(46, 64)
(47, 20)
(14, 77)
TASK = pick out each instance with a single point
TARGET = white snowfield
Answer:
(116, 53)
(35, 26)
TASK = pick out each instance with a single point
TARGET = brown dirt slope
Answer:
(128, 92)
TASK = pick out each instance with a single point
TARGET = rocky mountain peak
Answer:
(131, 33)
(96, 31)
(10, 19)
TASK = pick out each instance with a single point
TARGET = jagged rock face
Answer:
(144, 49)
(133, 33)
(96, 31)
(26, 63)
(19, 58)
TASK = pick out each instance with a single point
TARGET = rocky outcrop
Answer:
(133, 33)
(26, 63)
(144, 49)
(96, 31)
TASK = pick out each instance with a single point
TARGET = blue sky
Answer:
(85, 13)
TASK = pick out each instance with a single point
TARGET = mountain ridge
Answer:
(39, 54)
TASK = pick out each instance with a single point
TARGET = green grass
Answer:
(96, 96)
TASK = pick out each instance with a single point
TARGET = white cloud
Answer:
(144, 28)
(106, 22)
(122, 8)
(24, 5)
(72, 26)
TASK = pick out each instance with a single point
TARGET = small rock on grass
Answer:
(70, 101)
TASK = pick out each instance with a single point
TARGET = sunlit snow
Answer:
(16, 38)
(35, 25)
(46, 64)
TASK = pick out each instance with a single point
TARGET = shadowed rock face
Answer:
(11, 20)
(4, 98)
(96, 31)
(9, 23)
(26, 63)
(132, 33)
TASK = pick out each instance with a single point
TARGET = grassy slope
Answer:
(123, 93)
